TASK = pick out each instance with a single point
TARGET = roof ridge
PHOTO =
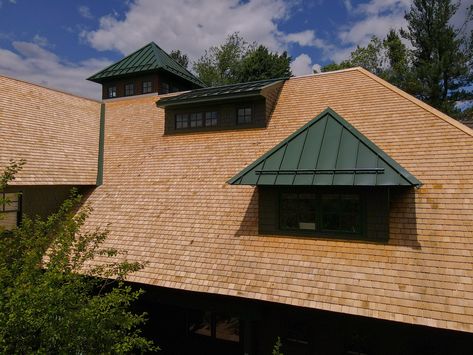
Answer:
(417, 102)
(49, 88)
(235, 84)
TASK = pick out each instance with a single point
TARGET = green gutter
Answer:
(101, 146)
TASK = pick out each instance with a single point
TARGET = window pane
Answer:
(244, 115)
(147, 87)
(164, 88)
(8, 220)
(112, 91)
(341, 213)
(211, 119)
(200, 323)
(227, 328)
(129, 89)
(298, 211)
(196, 120)
(11, 202)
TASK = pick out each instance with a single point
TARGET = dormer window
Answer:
(196, 120)
(211, 119)
(182, 121)
(244, 115)
(147, 87)
(164, 88)
(112, 91)
(326, 180)
(129, 89)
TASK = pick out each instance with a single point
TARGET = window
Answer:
(211, 119)
(164, 88)
(310, 212)
(174, 89)
(182, 121)
(244, 115)
(215, 325)
(196, 120)
(129, 89)
(10, 210)
(147, 87)
(112, 91)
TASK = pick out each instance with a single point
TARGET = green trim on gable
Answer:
(144, 60)
(101, 146)
(327, 151)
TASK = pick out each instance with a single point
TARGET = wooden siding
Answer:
(227, 118)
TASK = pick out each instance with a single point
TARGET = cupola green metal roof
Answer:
(327, 151)
(147, 59)
(217, 93)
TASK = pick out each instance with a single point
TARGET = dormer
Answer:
(148, 70)
(235, 106)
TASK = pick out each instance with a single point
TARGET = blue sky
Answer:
(58, 43)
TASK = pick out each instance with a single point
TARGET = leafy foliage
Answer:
(237, 61)
(277, 347)
(180, 57)
(259, 64)
(438, 68)
(53, 299)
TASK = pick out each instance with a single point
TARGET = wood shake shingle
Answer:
(166, 201)
(56, 133)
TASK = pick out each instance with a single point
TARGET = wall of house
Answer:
(43, 200)
(175, 84)
(227, 118)
(302, 331)
(375, 211)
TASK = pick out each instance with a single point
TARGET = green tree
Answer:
(440, 53)
(236, 61)
(219, 64)
(180, 57)
(370, 57)
(53, 299)
(259, 64)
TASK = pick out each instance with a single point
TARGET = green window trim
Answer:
(317, 224)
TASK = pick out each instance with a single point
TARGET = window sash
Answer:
(311, 213)
(112, 91)
(129, 89)
(147, 87)
(244, 115)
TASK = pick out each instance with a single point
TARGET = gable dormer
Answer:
(147, 70)
(235, 106)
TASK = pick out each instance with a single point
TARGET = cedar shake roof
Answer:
(166, 201)
(56, 133)
(326, 151)
(145, 60)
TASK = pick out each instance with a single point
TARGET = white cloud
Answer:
(84, 11)
(33, 63)
(348, 5)
(302, 65)
(317, 68)
(193, 26)
(378, 17)
(40, 40)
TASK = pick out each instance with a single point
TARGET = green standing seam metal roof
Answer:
(327, 151)
(146, 59)
(216, 93)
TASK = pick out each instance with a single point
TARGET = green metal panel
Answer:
(149, 58)
(346, 159)
(291, 159)
(329, 153)
(310, 151)
(218, 93)
(272, 163)
(326, 151)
